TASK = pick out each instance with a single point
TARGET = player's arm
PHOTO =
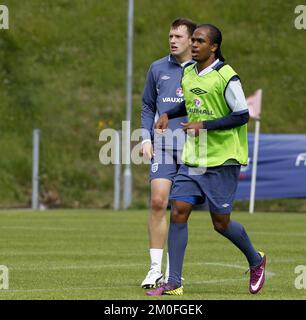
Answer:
(239, 116)
(176, 112)
(148, 112)
(235, 99)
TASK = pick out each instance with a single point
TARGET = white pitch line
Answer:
(112, 286)
(229, 265)
(221, 264)
(218, 281)
(75, 267)
(66, 253)
(66, 289)
(41, 228)
(128, 265)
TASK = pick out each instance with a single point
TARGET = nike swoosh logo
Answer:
(258, 282)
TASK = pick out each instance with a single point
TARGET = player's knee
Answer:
(178, 214)
(220, 226)
(220, 222)
(178, 210)
(158, 203)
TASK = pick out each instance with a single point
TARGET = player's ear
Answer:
(214, 47)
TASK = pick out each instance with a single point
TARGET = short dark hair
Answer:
(189, 24)
(215, 36)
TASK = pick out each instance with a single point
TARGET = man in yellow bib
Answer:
(214, 101)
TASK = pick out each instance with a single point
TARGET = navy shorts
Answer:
(165, 164)
(217, 185)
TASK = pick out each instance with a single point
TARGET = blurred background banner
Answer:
(281, 167)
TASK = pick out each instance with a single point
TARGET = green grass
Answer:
(96, 254)
(62, 69)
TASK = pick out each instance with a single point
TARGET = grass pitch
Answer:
(95, 254)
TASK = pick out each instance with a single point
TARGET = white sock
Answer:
(167, 269)
(156, 259)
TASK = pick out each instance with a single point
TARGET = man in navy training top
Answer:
(162, 93)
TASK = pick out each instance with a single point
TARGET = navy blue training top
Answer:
(162, 93)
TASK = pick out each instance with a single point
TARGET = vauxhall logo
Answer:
(180, 96)
(172, 99)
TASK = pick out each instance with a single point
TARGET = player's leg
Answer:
(157, 226)
(178, 238)
(184, 194)
(157, 229)
(237, 234)
(222, 184)
(163, 170)
(177, 242)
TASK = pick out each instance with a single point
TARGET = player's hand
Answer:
(195, 126)
(147, 150)
(162, 123)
